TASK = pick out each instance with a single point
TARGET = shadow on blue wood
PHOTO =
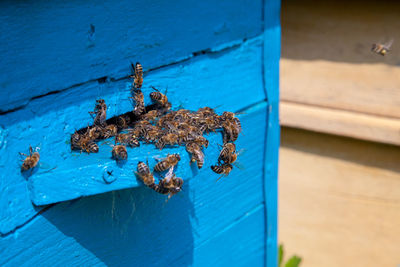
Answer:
(133, 227)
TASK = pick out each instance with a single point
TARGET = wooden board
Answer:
(327, 63)
(137, 222)
(339, 200)
(56, 116)
(55, 48)
(340, 122)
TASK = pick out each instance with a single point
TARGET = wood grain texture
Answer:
(340, 122)
(53, 118)
(362, 88)
(136, 226)
(339, 200)
(41, 57)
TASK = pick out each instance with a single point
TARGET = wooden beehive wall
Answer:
(57, 58)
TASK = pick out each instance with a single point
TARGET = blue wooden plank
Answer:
(271, 56)
(50, 46)
(135, 227)
(58, 115)
(240, 244)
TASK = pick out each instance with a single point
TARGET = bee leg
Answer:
(220, 177)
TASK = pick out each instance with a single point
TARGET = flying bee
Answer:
(159, 98)
(138, 98)
(143, 171)
(168, 139)
(100, 112)
(108, 131)
(127, 139)
(382, 49)
(196, 154)
(223, 169)
(138, 75)
(119, 152)
(228, 153)
(168, 162)
(30, 161)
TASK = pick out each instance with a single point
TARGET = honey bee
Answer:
(94, 132)
(138, 75)
(108, 131)
(160, 99)
(168, 162)
(30, 161)
(170, 185)
(138, 97)
(382, 49)
(127, 139)
(100, 112)
(196, 154)
(88, 146)
(228, 153)
(123, 122)
(200, 140)
(84, 142)
(119, 152)
(168, 139)
(75, 140)
(144, 173)
(151, 115)
(223, 169)
(231, 132)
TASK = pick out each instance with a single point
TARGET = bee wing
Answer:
(239, 165)
(46, 167)
(241, 152)
(389, 44)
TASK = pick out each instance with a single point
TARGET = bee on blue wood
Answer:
(143, 171)
(30, 161)
(138, 98)
(100, 113)
(196, 154)
(167, 163)
(223, 169)
(137, 76)
(228, 153)
(160, 99)
(170, 185)
(128, 139)
(382, 49)
(119, 152)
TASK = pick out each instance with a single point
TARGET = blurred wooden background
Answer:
(339, 174)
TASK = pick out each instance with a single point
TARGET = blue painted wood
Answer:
(54, 46)
(231, 222)
(137, 227)
(58, 115)
(272, 44)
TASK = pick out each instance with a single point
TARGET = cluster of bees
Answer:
(159, 125)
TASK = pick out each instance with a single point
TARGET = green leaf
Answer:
(280, 255)
(293, 262)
